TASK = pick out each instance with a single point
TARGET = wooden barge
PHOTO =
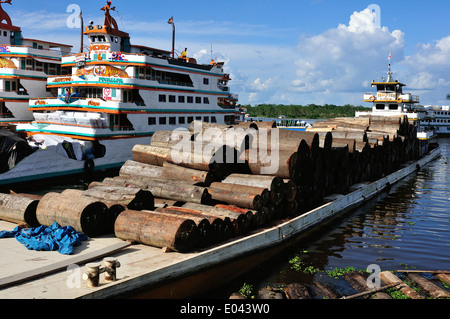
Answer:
(319, 179)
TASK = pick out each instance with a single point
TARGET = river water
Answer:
(406, 228)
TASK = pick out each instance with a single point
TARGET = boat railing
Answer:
(54, 79)
(59, 53)
(68, 120)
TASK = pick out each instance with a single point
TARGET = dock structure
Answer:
(171, 217)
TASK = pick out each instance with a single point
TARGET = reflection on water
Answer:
(407, 227)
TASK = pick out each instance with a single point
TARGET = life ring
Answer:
(89, 165)
(399, 100)
(372, 98)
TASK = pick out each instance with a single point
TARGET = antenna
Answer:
(389, 78)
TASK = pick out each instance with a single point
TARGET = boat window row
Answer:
(442, 113)
(440, 121)
(179, 120)
(183, 99)
(391, 107)
(163, 77)
(14, 86)
(35, 65)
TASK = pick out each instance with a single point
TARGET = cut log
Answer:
(428, 287)
(85, 215)
(263, 192)
(19, 209)
(154, 229)
(254, 216)
(137, 169)
(297, 291)
(223, 226)
(132, 198)
(389, 278)
(244, 200)
(176, 172)
(262, 162)
(114, 209)
(240, 221)
(170, 138)
(274, 184)
(207, 233)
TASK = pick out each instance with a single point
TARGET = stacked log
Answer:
(159, 230)
(229, 179)
(114, 208)
(19, 209)
(84, 214)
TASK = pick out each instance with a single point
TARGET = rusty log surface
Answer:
(158, 230)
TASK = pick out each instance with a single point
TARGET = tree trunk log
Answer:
(19, 209)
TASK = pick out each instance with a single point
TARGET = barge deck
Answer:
(163, 274)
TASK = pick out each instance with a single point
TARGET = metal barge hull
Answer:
(170, 275)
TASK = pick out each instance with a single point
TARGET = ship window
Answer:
(13, 86)
(198, 100)
(213, 119)
(181, 99)
(7, 86)
(93, 38)
(172, 120)
(152, 121)
(380, 106)
(190, 99)
(205, 100)
(393, 106)
(162, 121)
(190, 119)
(172, 98)
(205, 81)
(198, 118)
(206, 119)
(162, 98)
(181, 120)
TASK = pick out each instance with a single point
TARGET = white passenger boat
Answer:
(25, 65)
(114, 97)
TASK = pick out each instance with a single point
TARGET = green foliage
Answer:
(311, 111)
(246, 290)
(298, 265)
(338, 272)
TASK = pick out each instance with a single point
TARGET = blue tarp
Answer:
(47, 238)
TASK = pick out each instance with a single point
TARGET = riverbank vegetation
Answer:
(311, 111)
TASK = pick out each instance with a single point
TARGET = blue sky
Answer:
(286, 52)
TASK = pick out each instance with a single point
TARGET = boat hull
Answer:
(45, 164)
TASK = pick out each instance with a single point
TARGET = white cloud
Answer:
(429, 71)
(343, 59)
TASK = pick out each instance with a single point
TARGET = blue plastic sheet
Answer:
(47, 238)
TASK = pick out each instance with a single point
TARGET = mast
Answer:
(82, 31)
(389, 78)
(173, 36)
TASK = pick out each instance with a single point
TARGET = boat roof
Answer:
(388, 83)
